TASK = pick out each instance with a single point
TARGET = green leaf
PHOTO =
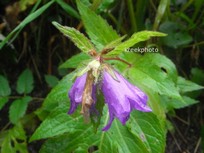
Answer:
(135, 38)
(147, 124)
(61, 121)
(187, 86)
(78, 141)
(4, 88)
(6, 146)
(97, 28)
(11, 143)
(169, 103)
(176, 35)
(25, 82)
(18, 109)
(74, 61)
(137, 136)
(143, 134)
(3, 101)
(155, 73)
(78, 38)
(51, 80)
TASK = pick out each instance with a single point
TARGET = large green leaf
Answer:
(155, 73)
(77, 142)
(147, 124)
(143, 134)
(135, 38)
(78, 38)
(62, 123)
(25, 82)
(4, 86)
(96, 27)
(18, 109)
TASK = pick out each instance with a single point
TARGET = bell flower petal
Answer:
(76, 92)
(122, 97)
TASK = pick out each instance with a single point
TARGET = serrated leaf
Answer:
(61, 121)
(96, 27)
(135, 38)
(156, 73)
(187, 85)
(169, 103)
(18, 109)
(78, 38)
(3, 101)
(146, 124)
(143, 134)
(51, 80)
(74, 61)
(4, 86)
(77, 142)
(25, 82)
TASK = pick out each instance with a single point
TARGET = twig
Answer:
(182, 120)
(5, 127)
(178, 146)
(197, 145)
(34, 98)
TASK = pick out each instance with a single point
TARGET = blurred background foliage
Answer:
(32, 49)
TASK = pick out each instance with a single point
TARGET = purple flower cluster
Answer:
(120, 96)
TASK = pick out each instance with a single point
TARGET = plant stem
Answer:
(118, 59)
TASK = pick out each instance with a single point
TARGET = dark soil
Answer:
(186, 136)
